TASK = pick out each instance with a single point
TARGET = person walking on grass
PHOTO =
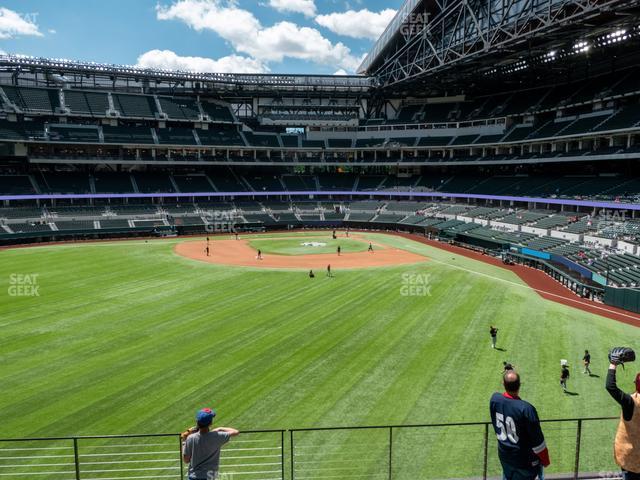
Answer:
(493, 332)
(586, 360)
(564, 376)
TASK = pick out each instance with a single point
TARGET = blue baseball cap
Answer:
(205, 417)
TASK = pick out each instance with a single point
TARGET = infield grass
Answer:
(128, 337)
(308, 245)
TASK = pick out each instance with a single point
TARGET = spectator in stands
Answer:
(521, 446)
(627, 442)
(201, 449)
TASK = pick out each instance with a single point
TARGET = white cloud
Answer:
(306, 7)
(168, 60)
(13, 24)
(340, 72)
(357, 24)
(247, 35)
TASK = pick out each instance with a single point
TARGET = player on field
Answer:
(586, 360)
(493, 331)
(339, 250)
(329, 271)
(370, 247)
(521, 446)
(626, 447)
(259, 257)
(311, 274)
(207, 250)
(564, 375)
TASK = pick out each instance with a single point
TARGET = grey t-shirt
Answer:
(204, 450)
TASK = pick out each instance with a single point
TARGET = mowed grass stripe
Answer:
(127, 357)
(130, 337)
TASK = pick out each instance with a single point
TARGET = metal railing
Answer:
(579, 448)
(257, 455)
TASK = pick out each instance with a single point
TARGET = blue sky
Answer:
(280, 36)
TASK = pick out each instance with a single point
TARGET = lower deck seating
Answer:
(260, 218)
(388, 218)
(30, 227)
(134, 209)
(188, 220)
(21, 213)
(114, 223)
(75, 225)
(360, 217)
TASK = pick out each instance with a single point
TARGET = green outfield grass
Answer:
(129, 337)
(289, 246)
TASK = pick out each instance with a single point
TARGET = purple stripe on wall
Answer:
(415, 195)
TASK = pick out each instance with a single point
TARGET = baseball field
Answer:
(135, 336)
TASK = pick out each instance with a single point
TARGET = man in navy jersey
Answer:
(521, 447)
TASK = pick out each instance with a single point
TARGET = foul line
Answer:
(529, 287)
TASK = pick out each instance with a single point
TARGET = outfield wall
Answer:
(625, 298)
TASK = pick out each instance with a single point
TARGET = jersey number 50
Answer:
(507, 428)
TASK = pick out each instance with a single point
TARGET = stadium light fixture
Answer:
(581, 46)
